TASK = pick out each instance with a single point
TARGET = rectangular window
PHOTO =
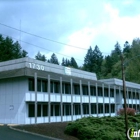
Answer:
(57, 110)
(93, 91)
(39, 85)
(45, 110)
(106, 108)
(67, 89)
(51, 87)
(93, 108)
(38, 110)
(77, 109)
(111, 93)
(31, 110)
(100, 93)
(31, 84)
(85, 90)
(77, 89)
(44, 86)
(106, 92)
(100, 108)
(56, 87)
(85, 109)
(112, 108)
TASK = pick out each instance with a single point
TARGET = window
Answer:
(100, 108)
(93, 108)
(112, 108)
(106, 108)
(85, 109)
(76, 89)
(56, 87)
(111, 93)
(39, 85)
(85, 90)
(93, 91)
(31, 110)
(51, 87)
(38, 110)
(77, 109)
(45, 110)
(106, 92)
(31, 84)
(100, 91)
(44, 86)
(57, 110)
(66, 109)
(67, 89)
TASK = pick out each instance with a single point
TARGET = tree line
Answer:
(104, 66)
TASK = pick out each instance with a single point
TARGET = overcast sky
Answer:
(80, 23)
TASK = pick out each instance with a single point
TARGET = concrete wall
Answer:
(12, 100)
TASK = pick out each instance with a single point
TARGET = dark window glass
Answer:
(57, 110)
(44, 86)
(106, 92)
(100, 108)
(112, 108)
(93, 108)
(38, 110)
(45, 110)
(31, 110)
(52, 110)
(31, 84)
(67, 89)
(39, 85)
(106, 108)
(76, 89)
(85, 90)
(63, 86)
(77, 109)
(111, 93)
(51, 87)
(56, 87)
(100, 91)
(93, 91)
(85, 109)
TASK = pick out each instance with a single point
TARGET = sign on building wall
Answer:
(67, 71)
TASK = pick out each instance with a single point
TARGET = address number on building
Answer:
(36, 66)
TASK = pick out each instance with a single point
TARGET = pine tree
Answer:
(73, 63)
(53, 59)
(10, 50)
(40, 57)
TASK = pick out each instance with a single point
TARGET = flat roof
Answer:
(41, 66)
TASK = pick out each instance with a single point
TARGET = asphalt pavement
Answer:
(8, 134)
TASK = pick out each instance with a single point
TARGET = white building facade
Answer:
(33, 91)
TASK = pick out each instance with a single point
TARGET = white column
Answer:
(71, 87)
(127, 97)
(103, 100)
(109, 100)
(81, 103)
(97, 99)
(35, 80)
(132, 97)
(89, 98)
(49, 102)
(115, 100)
(61, 102)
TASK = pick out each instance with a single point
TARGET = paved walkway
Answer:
(8, 134)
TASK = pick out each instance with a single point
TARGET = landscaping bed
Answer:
(55, 130)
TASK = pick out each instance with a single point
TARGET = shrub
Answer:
(129, 111)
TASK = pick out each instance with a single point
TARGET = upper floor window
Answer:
(31, 84)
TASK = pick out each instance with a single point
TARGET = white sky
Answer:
(80, 23)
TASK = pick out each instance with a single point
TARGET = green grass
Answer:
(104, 128)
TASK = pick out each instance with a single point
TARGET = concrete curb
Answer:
(33, 133)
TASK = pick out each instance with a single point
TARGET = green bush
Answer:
(104, 128)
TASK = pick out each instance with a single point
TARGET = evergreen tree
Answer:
(88, 60)
(40, 57)
(63, 62)
(10, 50)
(126, 49)
(73, 63)
(53, 59)
(93, 61)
